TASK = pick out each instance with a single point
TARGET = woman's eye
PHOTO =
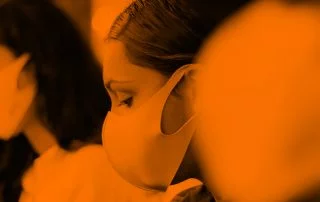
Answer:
(128, 102)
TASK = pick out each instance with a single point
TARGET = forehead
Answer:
(116, 65)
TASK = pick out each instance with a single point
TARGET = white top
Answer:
(62, 176)
(84, 176)
(81, 176)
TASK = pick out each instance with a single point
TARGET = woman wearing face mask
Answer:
(52, 106)
(147, 73)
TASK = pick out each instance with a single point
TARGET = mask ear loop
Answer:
(194, 68)
(18, 66)
(11, 72)
(192, 72)
(188, 68)
(196, 78)
(169, 87)
(176, 77)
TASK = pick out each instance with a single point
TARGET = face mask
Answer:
(14, 102)
(137, 148)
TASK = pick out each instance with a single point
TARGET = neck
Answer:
(39, 136)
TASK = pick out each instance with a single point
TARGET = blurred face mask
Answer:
(138, 149)
(14, 102)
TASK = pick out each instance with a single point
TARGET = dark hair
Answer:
(16, 155)
(167, 34)
(71, 100)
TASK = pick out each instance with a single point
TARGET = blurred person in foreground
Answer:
(258, 98)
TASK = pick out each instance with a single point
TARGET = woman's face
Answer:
(18, 89)
(130, 86)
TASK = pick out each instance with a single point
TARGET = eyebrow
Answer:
(108, 84)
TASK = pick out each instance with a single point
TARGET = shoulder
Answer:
(92, 152)
(90, 159)
(92, 176)
(87, 156)
(86, 163)
(84, 175)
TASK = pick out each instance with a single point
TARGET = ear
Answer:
(186, 86)
(26, 93)
(19, 63)
(26, 78)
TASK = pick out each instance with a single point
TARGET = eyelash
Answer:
(127, 102)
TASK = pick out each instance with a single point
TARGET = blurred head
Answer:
(147, 70)
(262, 116)
(47, 72)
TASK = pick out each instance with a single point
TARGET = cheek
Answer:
(149, 82)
